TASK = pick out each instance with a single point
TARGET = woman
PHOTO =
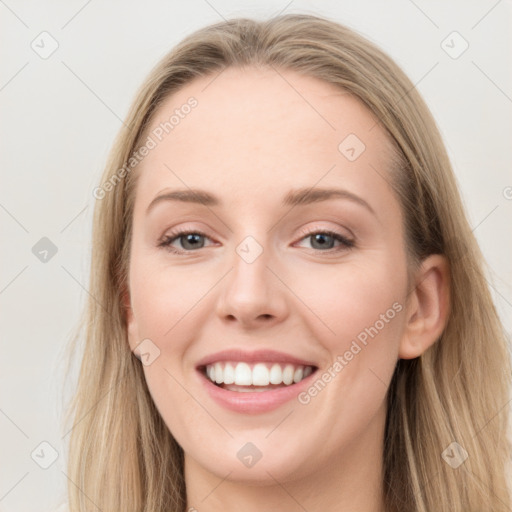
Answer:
(287, 308)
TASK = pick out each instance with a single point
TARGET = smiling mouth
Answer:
(245, 377)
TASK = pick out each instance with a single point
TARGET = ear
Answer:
(428, 307)
(131, 323)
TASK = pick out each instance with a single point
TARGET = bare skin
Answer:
(251, 139)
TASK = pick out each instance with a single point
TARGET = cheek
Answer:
(357, 300)
(166, 302)
(360, 323)
(164, 297)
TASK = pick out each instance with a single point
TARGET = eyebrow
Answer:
(297, 197)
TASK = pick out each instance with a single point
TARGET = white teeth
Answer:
(243, 375)
(297, 376)
(288, 374)
(229, 374)
(259, 374)
(276, 374)
(219, 373)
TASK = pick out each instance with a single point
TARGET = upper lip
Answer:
(270, 356)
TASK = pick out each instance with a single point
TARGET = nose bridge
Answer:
(250, 274)
(251, 290)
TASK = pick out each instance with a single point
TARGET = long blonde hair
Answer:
(122, 456)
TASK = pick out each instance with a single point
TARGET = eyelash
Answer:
(178, 233)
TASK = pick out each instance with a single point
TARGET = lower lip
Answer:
(256, 402)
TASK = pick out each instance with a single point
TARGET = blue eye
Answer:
(189, 238)
(190, 241)
(327, 238)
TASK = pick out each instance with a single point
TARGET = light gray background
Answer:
(60, 115)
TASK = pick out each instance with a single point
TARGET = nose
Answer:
(253, 294)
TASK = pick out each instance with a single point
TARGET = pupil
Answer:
(192, 238)
(321, 239)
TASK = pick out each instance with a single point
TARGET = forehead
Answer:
(263, 130)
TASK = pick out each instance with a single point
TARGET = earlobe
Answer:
(428, 307)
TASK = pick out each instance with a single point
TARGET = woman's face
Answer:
(262, 292)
